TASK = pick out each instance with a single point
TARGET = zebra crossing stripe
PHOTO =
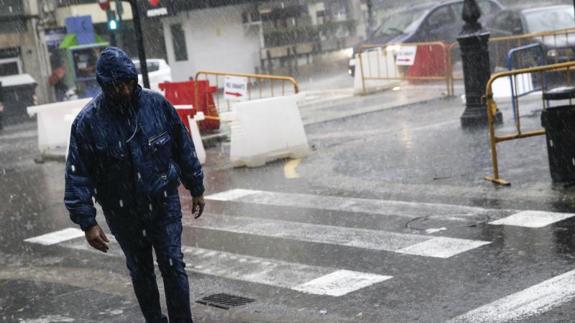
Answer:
(298, 277)
(532, 219)
(528, 218)
(442, 247)
(529, 302)
(347, 204)
(339, 283)
(57, 236)
(303, 278)
(412, 244)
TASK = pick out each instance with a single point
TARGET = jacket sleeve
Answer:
(79, 187)
(184, 154)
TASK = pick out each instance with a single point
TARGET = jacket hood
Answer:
(114, 65)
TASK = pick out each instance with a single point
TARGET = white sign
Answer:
(157, 12)
(235, 88)
(406, 55)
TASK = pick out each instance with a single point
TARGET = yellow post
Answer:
(448, 69)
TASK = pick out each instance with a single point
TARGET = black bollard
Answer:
(474, 44)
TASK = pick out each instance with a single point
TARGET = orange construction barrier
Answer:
(183, 93)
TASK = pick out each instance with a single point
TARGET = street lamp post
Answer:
(140, 42)
(369, 5)
(474, 44)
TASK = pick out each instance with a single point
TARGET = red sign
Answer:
(236, 94)
(154, 3)
(104, 4)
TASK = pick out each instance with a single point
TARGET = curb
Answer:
(370, 110)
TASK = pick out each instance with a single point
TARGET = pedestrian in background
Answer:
(129, 151)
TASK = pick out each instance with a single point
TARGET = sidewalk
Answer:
(329, 105)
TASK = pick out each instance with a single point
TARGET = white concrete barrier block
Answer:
(54, 123)
(195, 131)
(376, 63)
(265, 130)
(197, 139)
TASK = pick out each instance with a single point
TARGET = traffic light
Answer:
(104, 4)
(113, 23)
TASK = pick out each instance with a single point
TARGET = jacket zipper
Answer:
(154, 138)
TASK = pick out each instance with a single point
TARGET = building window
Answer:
(9, 66)
(179, 42)
(12, 17)
(13, 25)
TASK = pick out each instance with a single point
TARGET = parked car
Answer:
(1, 106)
(158, 72)
(1, 110)
(432, 21)
(526, 20)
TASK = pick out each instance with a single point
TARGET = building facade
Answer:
(254, 36)
(21, 31)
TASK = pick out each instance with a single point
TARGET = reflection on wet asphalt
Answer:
(389, 221)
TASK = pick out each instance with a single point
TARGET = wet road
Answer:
(389, 221)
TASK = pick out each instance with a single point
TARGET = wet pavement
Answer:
(389, 220)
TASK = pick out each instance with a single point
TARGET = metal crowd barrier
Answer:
(563, 68)
(432, 63)
(258, 86)
(377, 62)
(560, 41)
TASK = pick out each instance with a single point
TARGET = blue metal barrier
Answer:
(513, 63)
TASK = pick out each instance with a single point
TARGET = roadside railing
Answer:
(429, 61)
(247, 87)
(548, 75)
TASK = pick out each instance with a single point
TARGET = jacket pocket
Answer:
(164, 184)
(160, 149)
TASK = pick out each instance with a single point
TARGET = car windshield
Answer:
(152, 66)
(400, 22)
(550, 19)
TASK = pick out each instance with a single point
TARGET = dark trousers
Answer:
(162, 233)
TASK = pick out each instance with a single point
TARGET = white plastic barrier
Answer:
(195, 133)
(502, 86)
(54, 122)
(265, 130)
(375, 63)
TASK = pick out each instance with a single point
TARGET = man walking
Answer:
(129, 151)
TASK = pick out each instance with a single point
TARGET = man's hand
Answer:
(96, 238)
(198, 205)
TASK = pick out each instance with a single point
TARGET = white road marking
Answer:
(57, 236)
(347, 204)
(529, 302)
(231, 195)
(532, 219)
(527, 218)
(442, 247)
(413, 244)
(295, 276)
(340, 282)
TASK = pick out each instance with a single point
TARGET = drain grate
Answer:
(224, 301)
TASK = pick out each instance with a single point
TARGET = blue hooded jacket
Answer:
(130, 159)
